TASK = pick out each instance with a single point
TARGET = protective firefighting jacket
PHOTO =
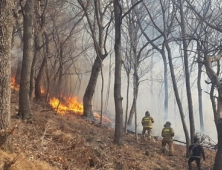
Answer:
(147, 122)
(167, 133)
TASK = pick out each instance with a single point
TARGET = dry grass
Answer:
(51, 141)
(20, 162)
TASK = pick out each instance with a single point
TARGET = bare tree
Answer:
(186, 66)
(216, 83)
(101, 105)
(118, 64)
(117, 82)
(212, 54)
(18, 32)
(28, 53)
(138, 55)
(200, 65)
(39, 26)
(127, 65)
(61, 36)
(18, 71)
(199, 37)
(6, 28)
(39, 77)
(99, 40)
(108, 86)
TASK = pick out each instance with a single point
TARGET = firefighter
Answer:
(167, 134)
(195, 151)
(147, 123)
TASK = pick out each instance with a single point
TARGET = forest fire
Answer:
(69, 104)
(64, 105)
(16, 87)
(72, 105)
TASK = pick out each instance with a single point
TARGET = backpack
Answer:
(191, 151)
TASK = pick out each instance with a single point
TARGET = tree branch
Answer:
(133, 6)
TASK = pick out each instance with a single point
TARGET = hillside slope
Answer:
(50, 141)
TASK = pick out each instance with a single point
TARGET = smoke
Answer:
(16, 57)
(155, 105)
(76, 84)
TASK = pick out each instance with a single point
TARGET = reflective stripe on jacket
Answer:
(147, 122)
(167, 134)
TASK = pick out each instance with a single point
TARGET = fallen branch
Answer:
(179, 141)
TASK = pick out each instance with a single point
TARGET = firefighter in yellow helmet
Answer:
(147, 123)
(167, 134)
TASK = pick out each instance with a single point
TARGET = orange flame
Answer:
(13, 85)
(42, 90)
(16, 86)
(105, 119)
(72, 105)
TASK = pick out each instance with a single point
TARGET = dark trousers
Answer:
(191, 159)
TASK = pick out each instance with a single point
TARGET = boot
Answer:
(149, 137)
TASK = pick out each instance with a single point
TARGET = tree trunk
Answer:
(127, 100)
(166, 96)
(176, 93)
(99, 40)
(39, 79)
(217, 106)
(135, 93)
(151, 79)
(87, 98)
(58, 88)
(218, 158)
(200, 65)
(18, 72)
(6, 28)
(130, 119)
(24, 100)
(32, 76)
(101, 115)
(136, 136)
(79, 86)
(133, 108)
(108, 86)
(41, 70)
(117, 82)
(19, 60)
(163, 54)
(188, 89)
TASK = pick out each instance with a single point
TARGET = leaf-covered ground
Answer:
(50, 141)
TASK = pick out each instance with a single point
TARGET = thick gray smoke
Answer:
(155, 104)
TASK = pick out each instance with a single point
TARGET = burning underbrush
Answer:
(66, 105)
(71, 105)
(14, 86)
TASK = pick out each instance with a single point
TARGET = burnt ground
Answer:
(49, 141)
